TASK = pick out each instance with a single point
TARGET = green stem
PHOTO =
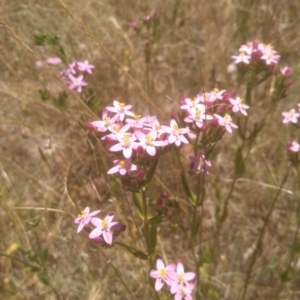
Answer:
(259, 241)
(146, 225)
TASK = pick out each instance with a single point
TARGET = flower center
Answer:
(125, 139)
(148, 139)
(162, 273)
(227, 118)
(82, 214)
(121, 164)
(104, 224)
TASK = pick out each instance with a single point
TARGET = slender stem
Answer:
(146, 225)
(259, 241)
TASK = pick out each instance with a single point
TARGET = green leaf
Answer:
(138, 203)
(217, 190)
(137, 253)
(191, 196)
(152, 239)
(195, 228)
(155, 220)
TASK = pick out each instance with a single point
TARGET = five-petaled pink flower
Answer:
(122, 166)
(182, 280)
(76, 82)
(85, 66)
(104, 228)
(291, 116)
(176, 134)
(238, 105)
(226, 121)
(85, 217)
(162, 274)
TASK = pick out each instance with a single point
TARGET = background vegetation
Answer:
(51, 166)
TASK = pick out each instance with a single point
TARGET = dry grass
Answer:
(51, 166)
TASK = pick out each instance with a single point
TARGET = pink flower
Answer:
(126, 144)
(38, 64)
(269, 55)
(238, 105)
(148, 141)
(122, 166)
(286, 71)
(85, 66)
(53, 61)
(226, 122)
(162, 274)
(176, 134)
(105, 123)
(197, 115)
(76, 82)
(84, 218)
(120, 109)
(189, 103)
(242, 57)
(291, 116)
(184, 293)
(293, 146)
(137, 122)
(182, 281)
(104, 228)
(200, 163)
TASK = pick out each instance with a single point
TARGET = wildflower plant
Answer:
(137, 142)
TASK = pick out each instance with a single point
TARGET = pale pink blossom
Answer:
(120, 109)
(105, 123)
(148, 141)
(197, 115)
(293, 146)
(137, 122)
(77, 83)
(115, 129)
(85, 66)
(200, 164)
(38, 64)
(238, 105)
(176, 134)
(104, 228)
(241, 58)
(184, 293)
(226, 121)
(122, 166)
(126, 144)
(270, 55)
(286, 71)
(162, 274)
(84, 218)
(180, 279)
(291, 116)
(189, 103)
(53, 60)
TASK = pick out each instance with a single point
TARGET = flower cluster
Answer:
(208, 111)
(254, 52)
(136, 141)
(293, 147)
(72, 75)
(105, 230)
(147, 20)
(180, 284)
